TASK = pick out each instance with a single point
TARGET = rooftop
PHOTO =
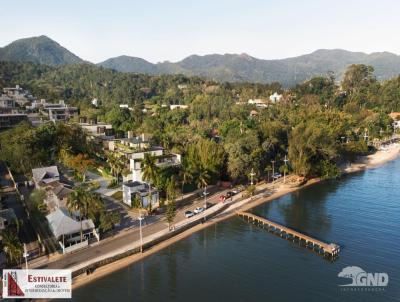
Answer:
(62, 224)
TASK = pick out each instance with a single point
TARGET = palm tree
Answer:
(12, 245)
(76, 203)
(93, 204)
(150, 173)
(116, 165)
(186, 176)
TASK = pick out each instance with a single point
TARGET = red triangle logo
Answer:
(13, 288)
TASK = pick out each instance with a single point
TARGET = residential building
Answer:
(173, 107)
(259, 103)
(45, 175)
(129, 145)
(8, 120)
(19, 95)
(275, 98)
(7, 216)
(162, 160)
(55, 111)
(137, 189)
(57, 195)
(67, 230)
(6, 102)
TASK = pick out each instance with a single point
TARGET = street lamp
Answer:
(251, 176)
(140, 230)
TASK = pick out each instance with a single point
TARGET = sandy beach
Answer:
(374, 160)
(371, 161)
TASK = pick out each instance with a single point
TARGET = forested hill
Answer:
(244, 68)
(224, 68)
(41, 50)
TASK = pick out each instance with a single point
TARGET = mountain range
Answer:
(226, 67)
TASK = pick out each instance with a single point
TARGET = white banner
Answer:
(36, 283)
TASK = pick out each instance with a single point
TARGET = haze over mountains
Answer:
(227, 67)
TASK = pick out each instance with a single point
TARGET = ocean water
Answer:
(237, 261)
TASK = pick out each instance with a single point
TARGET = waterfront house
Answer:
(140, 190)
(67, 230)
(45, 175)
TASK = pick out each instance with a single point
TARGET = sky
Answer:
(96, 30)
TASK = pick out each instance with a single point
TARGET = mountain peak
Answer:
(40, 50)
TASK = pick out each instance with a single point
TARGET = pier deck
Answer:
(329, 248)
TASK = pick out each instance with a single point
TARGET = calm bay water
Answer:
(236, 261)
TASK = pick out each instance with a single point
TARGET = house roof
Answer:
(62, 224)
(61, 191)
(45, 174)
(395, 115)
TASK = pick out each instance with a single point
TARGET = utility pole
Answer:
(251, 176)
(284, 171)
(273, 170)
(205, 201)
(26, 256)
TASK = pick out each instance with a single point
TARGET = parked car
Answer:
(198, 210)
(189, 214)
(229, 194)
(277, 175)
(203, 194)
(238, 189)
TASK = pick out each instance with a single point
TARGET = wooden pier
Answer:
(331, 249)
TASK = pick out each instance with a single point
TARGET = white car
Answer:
(189, 214)
(198, 210)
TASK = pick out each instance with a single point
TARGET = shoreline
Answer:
(368, 162)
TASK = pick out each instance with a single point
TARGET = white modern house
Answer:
(55, 111)
(137, 189)
(162, 160)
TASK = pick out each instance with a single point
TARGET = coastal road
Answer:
(122, 239)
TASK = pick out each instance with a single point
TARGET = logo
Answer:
(36, 284)
(360, 278)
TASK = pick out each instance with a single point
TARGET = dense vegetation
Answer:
(319, 124)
